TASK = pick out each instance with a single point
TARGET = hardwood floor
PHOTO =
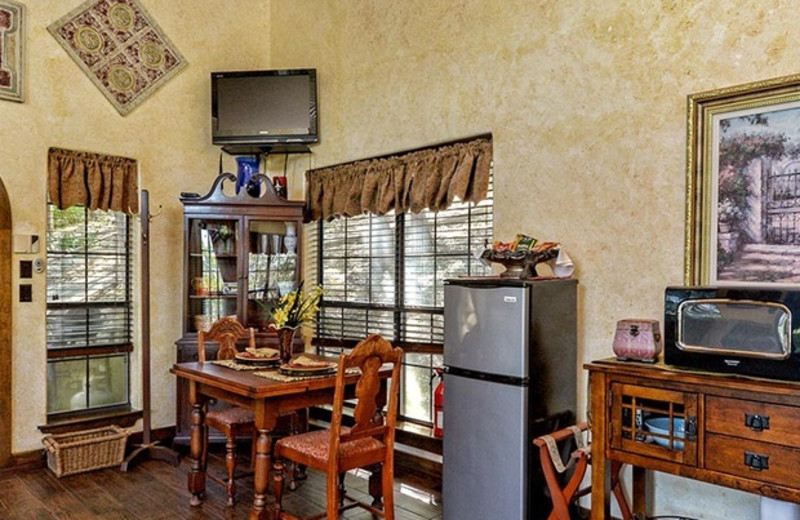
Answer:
(155, 490)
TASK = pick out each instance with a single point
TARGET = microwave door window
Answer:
(735, 327)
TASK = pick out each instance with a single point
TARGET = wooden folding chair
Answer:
(579, 458)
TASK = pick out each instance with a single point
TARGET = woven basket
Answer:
(77, 452)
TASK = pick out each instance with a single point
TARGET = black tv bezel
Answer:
(260, 140)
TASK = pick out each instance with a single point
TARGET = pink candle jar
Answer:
(637, 340)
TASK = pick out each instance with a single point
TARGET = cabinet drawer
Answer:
(752, 459)
(753, 420)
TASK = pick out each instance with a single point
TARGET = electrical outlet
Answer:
(25, 292)
(26, 269)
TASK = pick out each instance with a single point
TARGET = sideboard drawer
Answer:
(753, 420)
(752, 459)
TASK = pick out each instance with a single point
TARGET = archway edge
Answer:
(6, 288)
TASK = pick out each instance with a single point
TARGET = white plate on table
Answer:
(305, 365)
(260, 359)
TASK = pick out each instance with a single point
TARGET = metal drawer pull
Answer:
(756, 422)
(755, 461)
(690, 430)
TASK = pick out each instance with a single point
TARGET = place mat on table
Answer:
(275, 375)
(232, 364)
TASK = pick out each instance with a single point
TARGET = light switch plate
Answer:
(26, 269)
(25, 244)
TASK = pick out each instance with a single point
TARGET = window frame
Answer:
(328, 345)
(88, 354)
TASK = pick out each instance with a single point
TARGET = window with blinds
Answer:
(89, 308)
(385, 274)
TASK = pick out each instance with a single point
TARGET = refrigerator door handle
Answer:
(484, 376)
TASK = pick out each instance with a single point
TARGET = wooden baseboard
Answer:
(163, 436)
(419, 466)
(33, 459)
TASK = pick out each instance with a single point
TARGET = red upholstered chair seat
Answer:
(230, 417)
(315, 446)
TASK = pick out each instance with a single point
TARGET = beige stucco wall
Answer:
(586, 101)
(587, 104)
(169, 134)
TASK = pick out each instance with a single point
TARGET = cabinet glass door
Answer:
(272, 267)
(213, 281)
(654, 421)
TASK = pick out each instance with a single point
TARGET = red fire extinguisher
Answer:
(438, 406)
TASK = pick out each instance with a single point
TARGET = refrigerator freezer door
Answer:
(485, 450)
(486, 329)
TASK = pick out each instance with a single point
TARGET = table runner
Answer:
(232, 364)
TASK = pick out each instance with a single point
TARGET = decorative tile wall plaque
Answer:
(120, 47)
(12, 44)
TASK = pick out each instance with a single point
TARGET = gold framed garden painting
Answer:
(743, 185)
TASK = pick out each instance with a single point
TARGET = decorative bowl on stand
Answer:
(513, 261)
(515, 267)
(522, 264)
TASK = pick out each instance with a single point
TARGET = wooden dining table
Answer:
(268, 398)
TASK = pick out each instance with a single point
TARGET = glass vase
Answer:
(247, 166)
(290, 240)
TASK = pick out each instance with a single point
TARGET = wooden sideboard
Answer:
(738, 432)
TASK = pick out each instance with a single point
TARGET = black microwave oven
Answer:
(734, 329)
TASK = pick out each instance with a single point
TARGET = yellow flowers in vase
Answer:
(294, 310)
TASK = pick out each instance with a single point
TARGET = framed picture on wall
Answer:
(12, 50)
(743, 185)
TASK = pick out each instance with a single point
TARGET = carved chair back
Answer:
(369, 356)
(226, 332)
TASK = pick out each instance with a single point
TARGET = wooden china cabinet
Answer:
(242, 252)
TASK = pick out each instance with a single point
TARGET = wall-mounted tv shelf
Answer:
(265, 149)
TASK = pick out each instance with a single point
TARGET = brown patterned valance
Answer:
(430, 178)
(93, 180)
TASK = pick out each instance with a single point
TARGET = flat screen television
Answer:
(263, 108)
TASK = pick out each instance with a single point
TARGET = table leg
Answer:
(601, 467)
(198, 447)
(639, 491)
(263, 461)
(299, 470)
(376, 485)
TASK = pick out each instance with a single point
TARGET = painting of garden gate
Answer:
(758, 197)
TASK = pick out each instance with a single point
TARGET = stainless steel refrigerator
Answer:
(510, 355)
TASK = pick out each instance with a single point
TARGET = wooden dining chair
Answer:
(369, 442)
(234, 421)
